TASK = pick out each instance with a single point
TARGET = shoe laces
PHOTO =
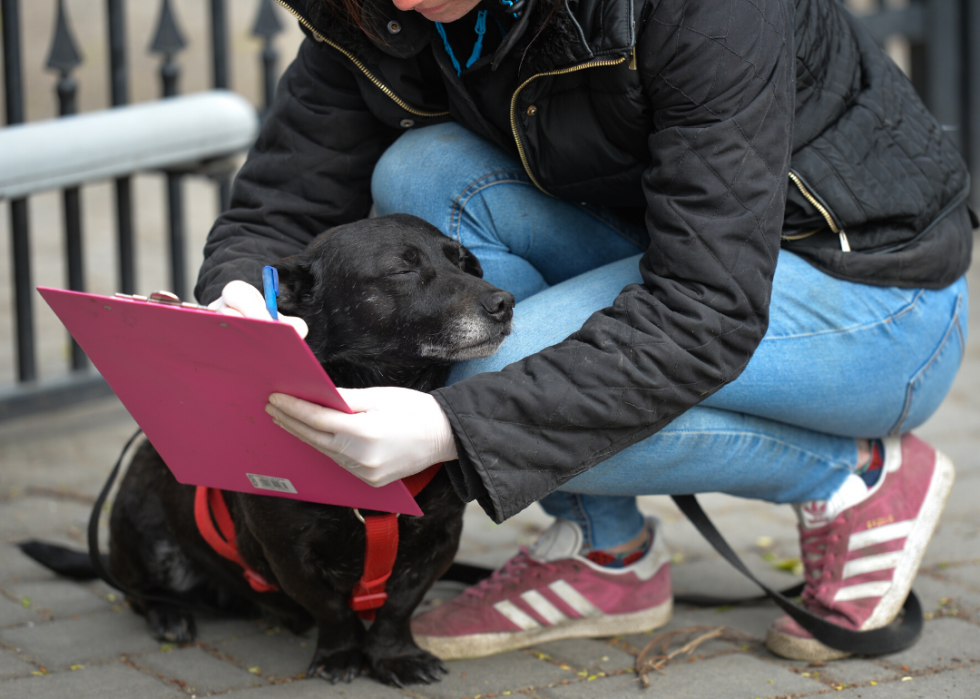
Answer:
(813, 548)
(510, 573)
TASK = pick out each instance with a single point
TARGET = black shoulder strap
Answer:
(889, 639)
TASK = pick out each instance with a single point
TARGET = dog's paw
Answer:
(415, 666)
(171, 624)
(336, 665)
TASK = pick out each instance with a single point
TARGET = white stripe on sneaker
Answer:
(543, 607)
(574, 599)
(871, 589)
(871, 564)
(879, 535)
(516, 616)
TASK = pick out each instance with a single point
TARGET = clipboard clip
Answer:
(166, 298)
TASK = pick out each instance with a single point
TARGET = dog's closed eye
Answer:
(464, 259)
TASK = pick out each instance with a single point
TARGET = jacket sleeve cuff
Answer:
(468, 479)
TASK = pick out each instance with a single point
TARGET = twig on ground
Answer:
(656, 654)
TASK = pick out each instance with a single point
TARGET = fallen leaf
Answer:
(790, 565)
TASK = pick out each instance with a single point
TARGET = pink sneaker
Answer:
(549, 592)
(862, 548)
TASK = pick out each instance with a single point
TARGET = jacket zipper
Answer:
(364, 69)
(845, 244)
(513, 104)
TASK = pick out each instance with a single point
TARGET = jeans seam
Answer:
(582, 516)
(852, 328)
(940, 349)
(849, 468)
(474, 188)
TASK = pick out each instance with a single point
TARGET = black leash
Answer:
(899, 635)
(96, 557)
(93, 523)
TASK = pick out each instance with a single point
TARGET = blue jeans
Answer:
(840, 361)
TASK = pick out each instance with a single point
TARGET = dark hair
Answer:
(326, 13)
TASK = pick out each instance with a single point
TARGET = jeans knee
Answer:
(420, 165)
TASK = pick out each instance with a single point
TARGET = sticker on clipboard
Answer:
(280, 485)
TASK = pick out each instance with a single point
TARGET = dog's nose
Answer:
(499, 304)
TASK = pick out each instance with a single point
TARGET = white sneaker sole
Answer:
(483, 644)
(941, 485)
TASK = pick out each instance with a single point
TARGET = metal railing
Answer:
(943, 37)
(80, 382)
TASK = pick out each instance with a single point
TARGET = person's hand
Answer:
(393, 433)
(240, 298)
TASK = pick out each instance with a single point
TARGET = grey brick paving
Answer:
(276, 653)
(941, 594)
(507, 672)
(17, 567)
(858, 671)
(197, 671)
(360, 688)
(13, 612)
(63, 643)
(115, 681)
(60, 598)
(955, 684)
(586, 654)
(733, 675)
(942, 641)
(956, 539)
(12, 666)
(29, 517)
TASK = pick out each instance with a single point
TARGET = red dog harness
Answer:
(381, 545)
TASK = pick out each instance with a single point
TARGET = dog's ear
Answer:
(296, 283)
(471, 265)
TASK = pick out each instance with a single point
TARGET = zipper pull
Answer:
(845, 244)
(633, 58)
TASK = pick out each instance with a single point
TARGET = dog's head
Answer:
(393, 290)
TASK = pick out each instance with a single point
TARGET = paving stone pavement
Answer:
(60, 638)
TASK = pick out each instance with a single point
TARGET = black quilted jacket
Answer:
(730, 127)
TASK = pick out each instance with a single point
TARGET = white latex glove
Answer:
(393, 433)
(240, 298)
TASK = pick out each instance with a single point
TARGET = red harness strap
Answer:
(380, 549)
(208, 502)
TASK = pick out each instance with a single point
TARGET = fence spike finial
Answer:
(168, 39)
(267, 23)
(64, 55)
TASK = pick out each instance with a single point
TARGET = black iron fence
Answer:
(79, 381)
(942, 40)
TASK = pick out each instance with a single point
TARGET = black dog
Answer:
(388, 301)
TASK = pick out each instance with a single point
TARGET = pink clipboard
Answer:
(197, 383)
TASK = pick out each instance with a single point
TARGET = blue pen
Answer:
(270, 284)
